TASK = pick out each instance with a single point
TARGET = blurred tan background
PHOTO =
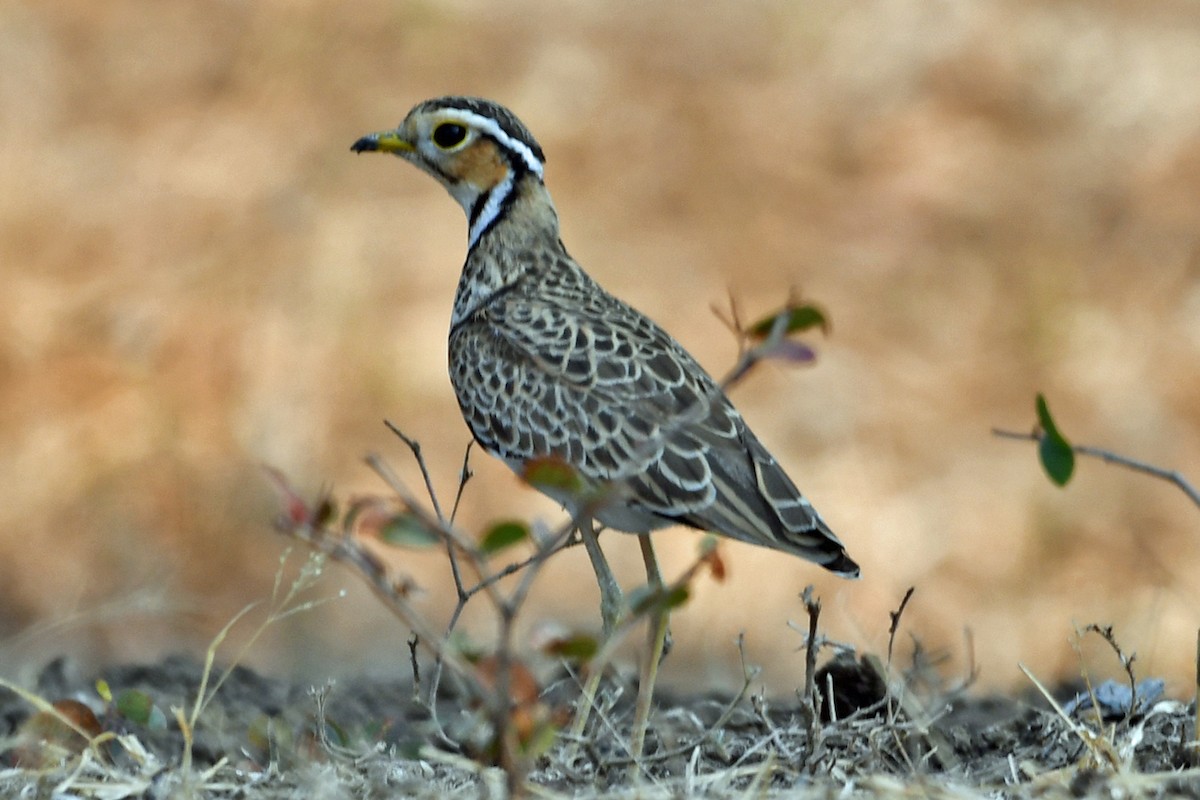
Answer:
(991, 199)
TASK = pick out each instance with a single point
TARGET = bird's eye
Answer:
(448, 135)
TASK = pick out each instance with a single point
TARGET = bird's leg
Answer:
(611, 606)
(611, 599)
(659, 618)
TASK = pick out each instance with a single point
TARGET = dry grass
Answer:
(990, 198)
(250, 736)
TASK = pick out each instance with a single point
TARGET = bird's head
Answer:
(477, 149)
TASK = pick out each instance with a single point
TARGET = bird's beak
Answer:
(383, 142)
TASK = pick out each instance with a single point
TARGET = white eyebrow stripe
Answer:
(489, 126)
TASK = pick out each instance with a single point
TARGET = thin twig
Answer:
(1100, 749)
(1109, 457)
(464, 475)
(465, 594)
(415, 447)
(376, 573)
(486, 580)
(812, 606)
(1106, 632)
(895, 623)
(972, 668)
(750, 356)
(516, 566)
(448, 532)
(733, 322)
(812, 702)
(413, 642)
(498, 700)
(451, 552)
(892, 629)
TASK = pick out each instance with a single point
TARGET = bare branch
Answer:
(1106, 633)
(895, 624)
(415, 447)
(464, 476)
(892, 629)
(1109, 457)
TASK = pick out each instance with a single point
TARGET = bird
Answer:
(545, 363)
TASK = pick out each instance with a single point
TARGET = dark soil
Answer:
(260, 737)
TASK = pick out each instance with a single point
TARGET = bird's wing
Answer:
(616, 397)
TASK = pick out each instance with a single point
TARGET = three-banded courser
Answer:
(546, 363)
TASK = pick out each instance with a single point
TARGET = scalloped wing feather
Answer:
(615, 396)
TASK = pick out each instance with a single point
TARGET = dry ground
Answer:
(262, 738)
(990, 198)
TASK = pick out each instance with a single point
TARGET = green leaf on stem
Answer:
(503, 535)
(408, 530)
(648, 598)
(797, 318)
(137, 707)
(1054, 451)
(573, 648)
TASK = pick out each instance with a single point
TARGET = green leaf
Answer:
(640, 598)
(1054, 451)
(573, 648)
(460, 642)
(798, 318)
(135, 706)
(677, 597)
(648, 598)
(503, 535)
(408, 530)
(326, 511)
(265, 733)
(337, 734)
(539, 740)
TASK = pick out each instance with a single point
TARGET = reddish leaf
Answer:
(553, 475)
(369, 516)
(80, 715)
(296, 512)
(522, 686)
(716, 565)
(45, 738)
